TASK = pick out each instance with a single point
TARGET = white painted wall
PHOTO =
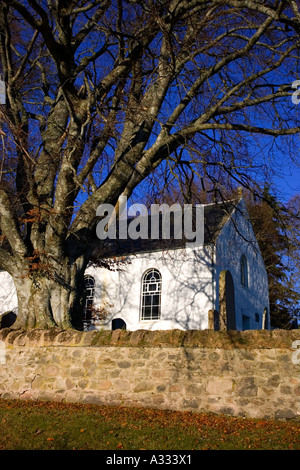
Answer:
(230, 246)
(8, 296)
(186, 289)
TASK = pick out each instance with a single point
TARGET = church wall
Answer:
(237, 239)
(254, 374)
(186, 295)
(190, 284)
(8, 296)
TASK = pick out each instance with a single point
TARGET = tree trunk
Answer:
(50, 301)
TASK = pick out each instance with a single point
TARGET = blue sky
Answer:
(287, 177)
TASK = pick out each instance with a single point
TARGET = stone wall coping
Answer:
(249, 339)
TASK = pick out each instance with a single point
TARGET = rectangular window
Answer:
(245, 322)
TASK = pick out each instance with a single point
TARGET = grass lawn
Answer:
(58, 426)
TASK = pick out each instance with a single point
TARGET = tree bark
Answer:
(48, 301)
(106, 92)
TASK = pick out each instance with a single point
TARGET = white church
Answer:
(171, 284)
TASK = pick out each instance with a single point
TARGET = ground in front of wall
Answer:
(28, 425)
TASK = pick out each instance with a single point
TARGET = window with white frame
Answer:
(151, 295)
(89, 285)
(244, 271)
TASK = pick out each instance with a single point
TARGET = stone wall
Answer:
(250, 373)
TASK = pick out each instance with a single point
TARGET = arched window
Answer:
(89, 286)
(151, 295)
(244, 271)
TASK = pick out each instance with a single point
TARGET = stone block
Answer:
(51, 371)
(121, 385)
(124, 364)
(219, 386)
(247, 387)
(191, 404)
(103, 385)
(144, 386)
(285, 414)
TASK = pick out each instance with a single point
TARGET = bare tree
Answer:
(101, 95)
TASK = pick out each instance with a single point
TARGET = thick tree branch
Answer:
(10, 226)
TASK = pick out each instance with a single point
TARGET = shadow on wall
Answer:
(7, 319)
(186, 289)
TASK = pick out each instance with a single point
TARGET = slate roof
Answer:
(215, 216)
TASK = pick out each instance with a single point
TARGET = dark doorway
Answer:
(118, 324)
(7, 320)
(230, 302)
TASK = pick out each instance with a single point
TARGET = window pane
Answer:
(147, 300)
(147, 313)
(244, 271)
(155, 312)
(152, 287)
(151, 300)
(89, 284)
(148, 277)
